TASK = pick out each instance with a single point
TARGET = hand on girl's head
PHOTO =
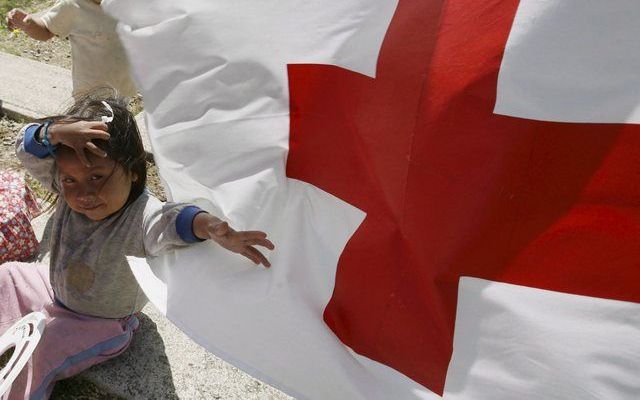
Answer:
(78, 136)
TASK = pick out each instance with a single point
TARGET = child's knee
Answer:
(8, 270)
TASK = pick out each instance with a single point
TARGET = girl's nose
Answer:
(86, 196)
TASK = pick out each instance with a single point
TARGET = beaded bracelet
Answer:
(45, 138)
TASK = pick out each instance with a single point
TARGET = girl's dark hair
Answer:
(125, 143)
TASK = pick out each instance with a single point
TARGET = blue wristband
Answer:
(184, 224)
(45, 138)
(33, 146)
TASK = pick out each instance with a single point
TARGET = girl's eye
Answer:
(96, 177)
(67, 181)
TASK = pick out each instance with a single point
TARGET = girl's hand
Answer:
(17, 19)
(206, 226)
(30, 24)
(78, 136)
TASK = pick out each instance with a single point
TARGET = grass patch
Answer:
(55, 51)
(27, 5)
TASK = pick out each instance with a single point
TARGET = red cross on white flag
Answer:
(483, 217)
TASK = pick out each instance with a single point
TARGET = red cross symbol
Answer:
(451, 189)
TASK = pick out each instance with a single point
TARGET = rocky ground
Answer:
(8, 130)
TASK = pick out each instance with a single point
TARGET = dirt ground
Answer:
(8, 130)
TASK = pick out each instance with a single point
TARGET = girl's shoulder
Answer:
(146, 201)
(145, 197)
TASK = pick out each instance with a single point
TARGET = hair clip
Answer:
(105, 118)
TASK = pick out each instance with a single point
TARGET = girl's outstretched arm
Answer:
(29, 24)
(207, 226)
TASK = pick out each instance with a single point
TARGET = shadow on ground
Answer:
(142, 372)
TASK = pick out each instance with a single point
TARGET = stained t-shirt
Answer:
(89, 271)
(97, 55)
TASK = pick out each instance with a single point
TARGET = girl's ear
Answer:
(134, 177)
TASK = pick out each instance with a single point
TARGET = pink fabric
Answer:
(17, 208)
(71, 342)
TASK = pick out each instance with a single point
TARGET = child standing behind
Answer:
(98, 58)
(93, 157)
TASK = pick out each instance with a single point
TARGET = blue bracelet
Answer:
(45, 138)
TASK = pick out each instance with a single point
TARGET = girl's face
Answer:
(97, 191)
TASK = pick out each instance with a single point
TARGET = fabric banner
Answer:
(410, 160)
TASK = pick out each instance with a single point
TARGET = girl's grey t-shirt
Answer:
(89, 271)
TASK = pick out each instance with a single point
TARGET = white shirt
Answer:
(97, 53)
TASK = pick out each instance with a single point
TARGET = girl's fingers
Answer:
(242, 242)
(10, 22)
(82, 156)
(98, 134)
(259, 242)
(90, 125)
(255, 256)
(250, 256)
(258, 257)
(96, 150)
(253, 235)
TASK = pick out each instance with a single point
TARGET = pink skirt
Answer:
(71, 342)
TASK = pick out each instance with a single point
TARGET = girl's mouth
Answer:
(91, 208)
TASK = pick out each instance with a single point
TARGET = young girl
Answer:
(93, 157)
